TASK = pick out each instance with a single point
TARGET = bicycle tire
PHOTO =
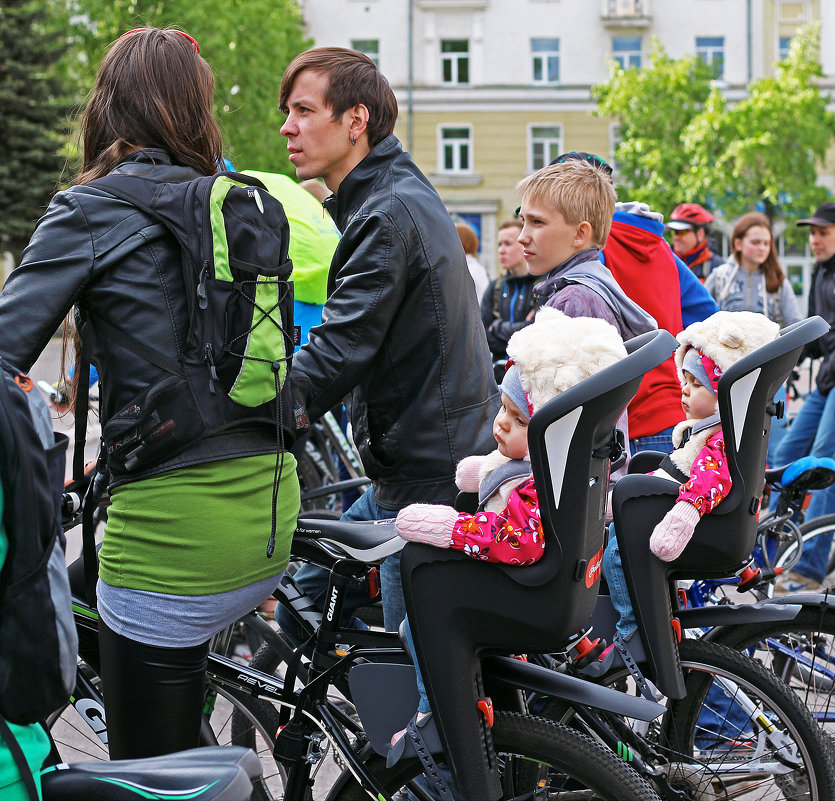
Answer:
(564, 755)
(801, 652)
(809, 531)
(73, 740)
(730, 760)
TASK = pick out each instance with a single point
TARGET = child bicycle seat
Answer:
(460, 609)
(724, 539)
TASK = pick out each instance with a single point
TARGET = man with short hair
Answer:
(690, 224)
(401, 333)
(812, 433)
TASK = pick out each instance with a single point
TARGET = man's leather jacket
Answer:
(822, 302)
(401, 334)
(120, 265)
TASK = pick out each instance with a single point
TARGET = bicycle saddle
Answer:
(219, 773)
(808, 473)
(366, 541)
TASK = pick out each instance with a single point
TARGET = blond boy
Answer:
(566, 215)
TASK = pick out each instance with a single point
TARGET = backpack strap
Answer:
(133, 189)
(20, 760)
(134, 345)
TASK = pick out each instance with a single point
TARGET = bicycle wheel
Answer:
(800, 651)
(740, 732)
(79, 734)
(537, 759)
(316, 469)
(809, 531)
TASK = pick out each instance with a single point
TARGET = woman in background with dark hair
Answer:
(752, 279)
(183, 552)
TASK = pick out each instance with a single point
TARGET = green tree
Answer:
(248, 43)
(767, 147)
(653, 105)
(33, 107)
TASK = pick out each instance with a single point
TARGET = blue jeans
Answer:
(314, 579)
(779, 429)
(423, 704)
(627, 623)
(662, 441)
(813, 434)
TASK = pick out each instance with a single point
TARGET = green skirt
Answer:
(201, 529)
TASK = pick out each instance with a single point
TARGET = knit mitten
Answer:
(466, 474)
(427, 522)
(670, 537)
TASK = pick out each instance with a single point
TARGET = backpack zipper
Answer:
(202, 297)
(209, 359)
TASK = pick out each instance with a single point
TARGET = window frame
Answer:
(532, 141)
(545, 56)
(704, 50)
(456, 144)
(455, 58)
(375, 55)
(626, 55)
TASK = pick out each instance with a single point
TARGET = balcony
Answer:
(626, 14)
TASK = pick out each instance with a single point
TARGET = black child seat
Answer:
(724, 540)
(461, 609)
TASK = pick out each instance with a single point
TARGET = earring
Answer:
(353, 141)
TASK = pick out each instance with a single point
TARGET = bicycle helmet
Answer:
(689, 215)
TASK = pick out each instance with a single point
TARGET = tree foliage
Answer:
(248, 43)
(33, 107)
(683, 141)
(653, 105)
(766, 148)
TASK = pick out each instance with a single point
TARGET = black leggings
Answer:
(153, 696)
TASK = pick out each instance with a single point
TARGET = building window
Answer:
(711, 50)
(456, 147)
(626, 50)
(545, 145)
(783, 47)
(546, 60)
(371, 48)
(455, 61)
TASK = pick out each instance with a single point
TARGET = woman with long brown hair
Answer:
(183, 551)
(752, 279)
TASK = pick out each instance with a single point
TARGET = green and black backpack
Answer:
(234, 238)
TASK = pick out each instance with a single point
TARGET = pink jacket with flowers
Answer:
(512, 536)
(710, 480)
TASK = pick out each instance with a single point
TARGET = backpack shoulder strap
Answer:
(134, 189)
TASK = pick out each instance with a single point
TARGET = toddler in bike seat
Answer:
(546, 358)
(698, 463)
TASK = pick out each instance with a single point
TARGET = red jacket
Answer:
(645, 268)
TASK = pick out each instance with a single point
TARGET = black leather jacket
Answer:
(116, 262)
(822, 302)
(401, 334)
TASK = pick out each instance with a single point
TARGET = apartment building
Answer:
(490, 90)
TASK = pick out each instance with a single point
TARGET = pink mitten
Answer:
(427, 522)
(670, 537)
(466, 474)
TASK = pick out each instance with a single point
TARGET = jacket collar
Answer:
(357, 185)
(829, 264)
